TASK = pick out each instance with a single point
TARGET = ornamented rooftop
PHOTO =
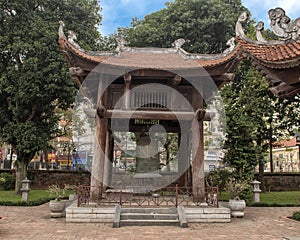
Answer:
(277, 60)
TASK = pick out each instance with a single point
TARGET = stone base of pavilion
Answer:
(108, 214)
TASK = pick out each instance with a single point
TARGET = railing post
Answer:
(78, 195)
(87, 193)
(197, 195)
(217, 196)
(121, 197)
(176, 189)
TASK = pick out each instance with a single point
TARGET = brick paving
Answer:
(18, 223)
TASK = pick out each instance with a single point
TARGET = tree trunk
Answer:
(271, 155)
(22, 162)
(21, 174)
(45, 152)
(261, 166)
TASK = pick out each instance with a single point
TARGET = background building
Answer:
(285, 155)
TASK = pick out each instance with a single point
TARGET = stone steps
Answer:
(150, 210)
(149, 222)
(94, 214)
(148, 217)
(145, 216)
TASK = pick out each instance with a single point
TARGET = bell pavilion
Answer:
(137, 89)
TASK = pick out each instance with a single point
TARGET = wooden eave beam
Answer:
(160, 115)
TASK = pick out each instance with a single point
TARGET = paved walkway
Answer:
(18, 223)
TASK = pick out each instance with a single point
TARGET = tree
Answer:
(34, 80)
(207, 25)
(255, 118)
(246, 105)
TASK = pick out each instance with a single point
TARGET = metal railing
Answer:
(137, 197)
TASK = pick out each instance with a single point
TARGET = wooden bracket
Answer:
(200, 114)
(177, 80)
(101, 111)
(127, 77)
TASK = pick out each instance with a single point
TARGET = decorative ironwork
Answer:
(132, 196)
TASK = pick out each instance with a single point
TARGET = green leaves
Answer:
(206, 24)
(242, 100)
(34, 76)
(254, 117)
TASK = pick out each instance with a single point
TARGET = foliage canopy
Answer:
(206, 25)
(34, 79)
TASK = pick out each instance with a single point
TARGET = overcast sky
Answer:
(118, 13)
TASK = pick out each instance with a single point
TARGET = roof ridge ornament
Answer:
(231, 45)
(72, 37)
(281, 25)
(178, 43)
(239, 30)
(259, 28)
(121, 43)
(61, 33)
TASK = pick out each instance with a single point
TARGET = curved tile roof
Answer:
(270, 57)
(275, 54)
(155, 58)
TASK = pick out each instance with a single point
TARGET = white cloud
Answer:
(259, 9)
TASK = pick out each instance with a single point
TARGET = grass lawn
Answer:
(36, 197)
(285, 198)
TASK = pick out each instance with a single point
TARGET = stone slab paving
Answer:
(34, 223)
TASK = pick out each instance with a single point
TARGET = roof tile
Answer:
(275, 53)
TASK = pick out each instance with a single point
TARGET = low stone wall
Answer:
(208, 215)
(76, 214)
(41, 179)
(281, 182)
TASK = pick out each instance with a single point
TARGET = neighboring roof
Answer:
(63, 139)
(286, 143)
(277, 60)
(286, 55)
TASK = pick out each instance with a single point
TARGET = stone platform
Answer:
(93, 214)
